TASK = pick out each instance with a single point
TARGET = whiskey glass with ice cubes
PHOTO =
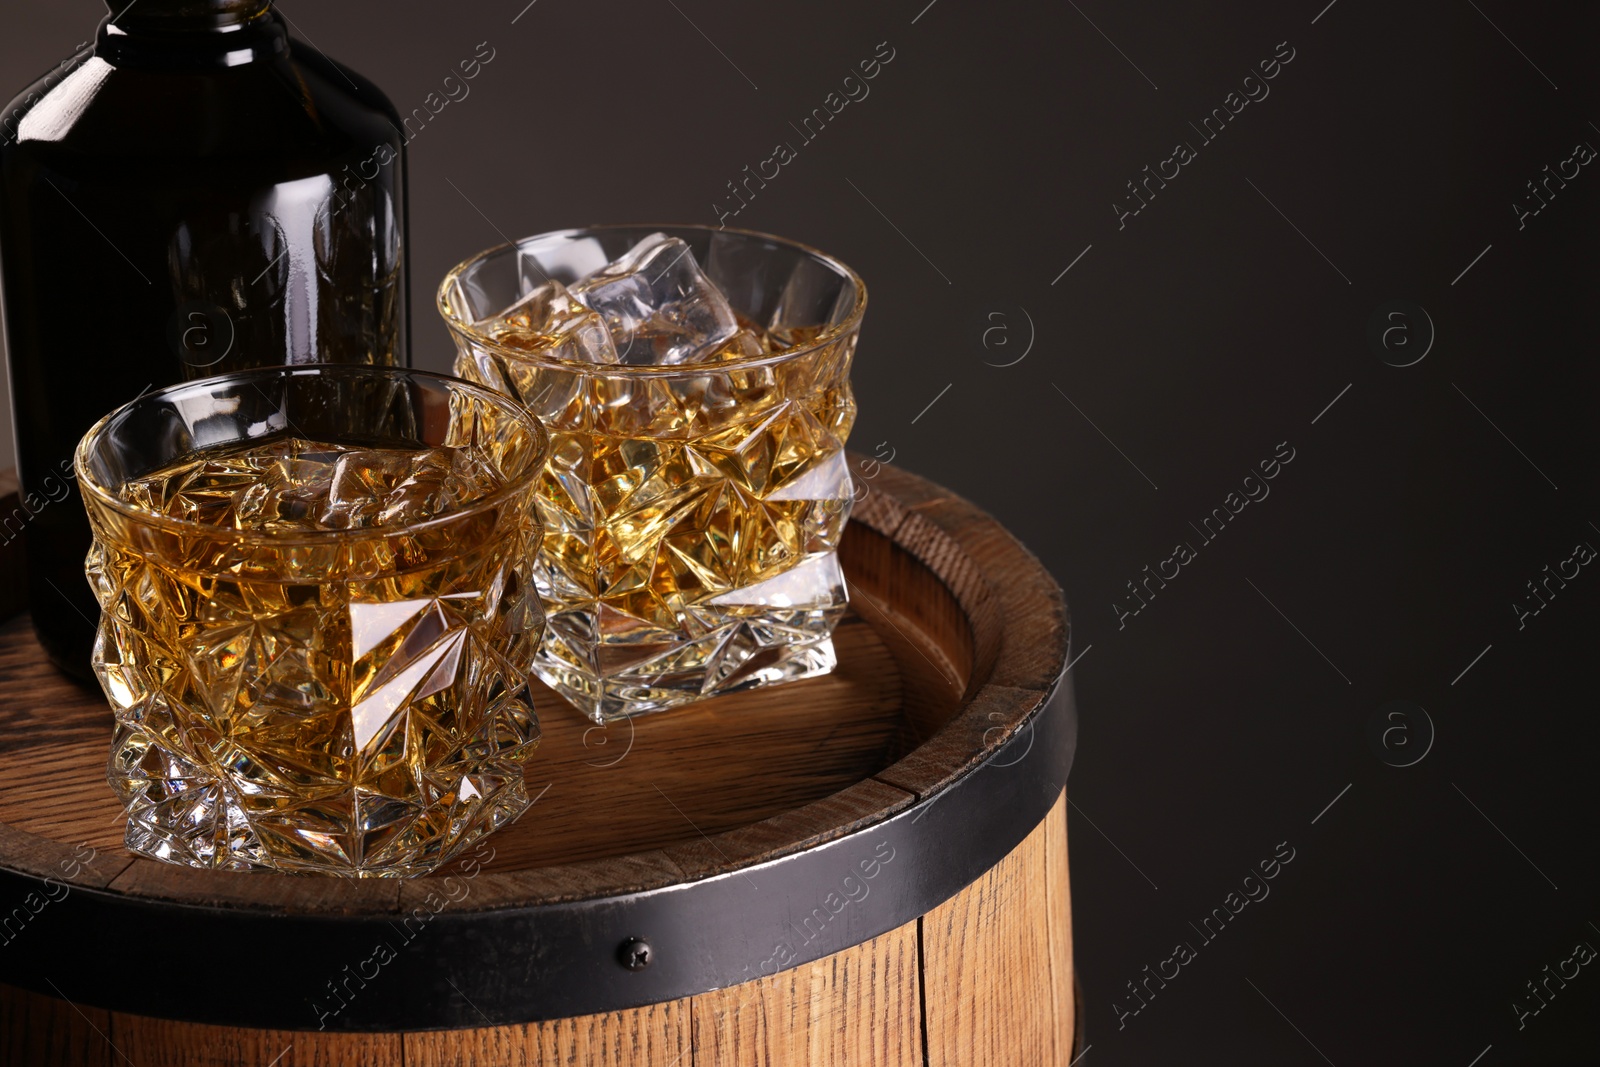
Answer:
(318, 617)
(695, 383)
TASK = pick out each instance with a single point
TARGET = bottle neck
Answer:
(191, 33)
(185, 16)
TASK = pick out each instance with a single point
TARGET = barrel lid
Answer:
(745, 835)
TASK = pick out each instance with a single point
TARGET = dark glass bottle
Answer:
(196, 193)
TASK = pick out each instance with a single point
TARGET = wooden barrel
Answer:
(864, 869)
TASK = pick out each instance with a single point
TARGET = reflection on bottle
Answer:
(300, 274)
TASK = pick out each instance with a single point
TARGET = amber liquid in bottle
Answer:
(196, 193)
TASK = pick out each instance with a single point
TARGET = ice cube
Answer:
(659, 305)
(292, 485)
(784, 337)
(361, 480)
(435, 482)
(289, 491)
(750, 340)
(550, 322)
(742, 345)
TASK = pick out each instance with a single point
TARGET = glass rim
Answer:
(102, 496)
(851, 323)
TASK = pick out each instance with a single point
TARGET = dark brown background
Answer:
(1222, 320)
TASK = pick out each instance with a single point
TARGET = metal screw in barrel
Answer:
(635, 954)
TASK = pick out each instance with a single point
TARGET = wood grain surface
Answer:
(859, 1006)
(159, 1043)
(40, 1031)
(655, 1036)
(997, 961)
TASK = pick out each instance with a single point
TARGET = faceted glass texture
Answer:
(318, 617)
(692, 510)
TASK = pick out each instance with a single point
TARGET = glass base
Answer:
(745, 652)
(267, 785)
(205, 825)
(177, 813)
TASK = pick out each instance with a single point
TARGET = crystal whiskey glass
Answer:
(692, 511)
(317, 616)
